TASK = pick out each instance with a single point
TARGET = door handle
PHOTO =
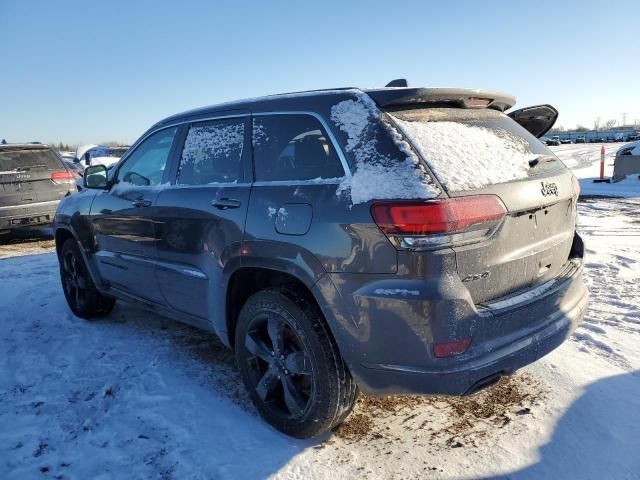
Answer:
(141, 202)
(225, 203)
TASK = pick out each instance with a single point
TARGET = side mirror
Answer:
(96, 177)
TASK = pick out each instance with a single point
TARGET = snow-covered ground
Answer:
(138, 396)
(584, 160)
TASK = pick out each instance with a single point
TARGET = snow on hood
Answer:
(377, 175)
(106, 161)
(467, 157)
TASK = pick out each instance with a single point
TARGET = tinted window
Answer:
(293, 147)
(212, 153)
(16, 158)
(145, 166)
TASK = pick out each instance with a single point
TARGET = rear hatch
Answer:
(484, 152)
(30, 174)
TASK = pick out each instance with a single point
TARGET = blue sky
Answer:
(82, 71)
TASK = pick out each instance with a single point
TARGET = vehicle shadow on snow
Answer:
(200, 356)
(597, 437)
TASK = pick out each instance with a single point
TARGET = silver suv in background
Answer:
(395, 240)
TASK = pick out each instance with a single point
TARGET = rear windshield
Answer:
(12, 160)
(471, 149)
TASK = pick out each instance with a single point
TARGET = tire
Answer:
(290, 364)
(82, 296)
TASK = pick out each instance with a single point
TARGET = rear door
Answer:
(31, 174)
(200, 217)
(122, 218)
(483, 152)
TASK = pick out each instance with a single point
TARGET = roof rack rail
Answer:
(311, 91)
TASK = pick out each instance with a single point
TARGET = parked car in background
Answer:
(33, 180)
(565, 141)
(580, 139)
(633, 136)
(84, 153)
(618, 137)
(111, 157)
(75, 167)
(335, 249)
(555, 141)
(68, 155)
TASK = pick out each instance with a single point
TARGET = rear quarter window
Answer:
(472, 149)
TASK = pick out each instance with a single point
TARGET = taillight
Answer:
(576, 185)
(439, 223)
(62, 177)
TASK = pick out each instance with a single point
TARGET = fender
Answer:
(88, 260)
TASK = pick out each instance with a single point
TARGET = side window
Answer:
(212, 153)
(146, 164)
(293, 147)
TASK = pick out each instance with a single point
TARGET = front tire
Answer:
(290, 364)
(82, 296)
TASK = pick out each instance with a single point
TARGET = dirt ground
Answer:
(26, 242)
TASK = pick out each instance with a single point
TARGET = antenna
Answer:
(398, 82)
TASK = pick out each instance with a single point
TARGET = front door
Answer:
(122, 218)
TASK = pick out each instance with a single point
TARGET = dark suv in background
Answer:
(33, 179)
(397, 240)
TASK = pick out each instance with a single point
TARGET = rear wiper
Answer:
(30, 167)
(541, 159)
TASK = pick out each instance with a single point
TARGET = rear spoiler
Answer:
(459, 97)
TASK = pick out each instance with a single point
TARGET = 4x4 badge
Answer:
(549, 189)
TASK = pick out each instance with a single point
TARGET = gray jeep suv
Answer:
(33, 179)
(396, 240)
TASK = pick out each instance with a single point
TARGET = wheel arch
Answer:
(247, 280)
(61, 235)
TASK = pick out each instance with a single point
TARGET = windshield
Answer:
(21, 159)
(469, 149)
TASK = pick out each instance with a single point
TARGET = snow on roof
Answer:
(467, 157)
(377, 175)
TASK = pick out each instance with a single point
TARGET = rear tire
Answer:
(290, 364)
(82, 296)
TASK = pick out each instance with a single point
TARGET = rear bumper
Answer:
(388, 347)
(15, 217)
(470, 375)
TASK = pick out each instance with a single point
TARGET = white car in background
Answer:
(112, 157)
(99, 154)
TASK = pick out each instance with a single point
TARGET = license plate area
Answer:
(31, 220)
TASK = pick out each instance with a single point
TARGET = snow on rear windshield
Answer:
(377, 175)
(478, 148)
